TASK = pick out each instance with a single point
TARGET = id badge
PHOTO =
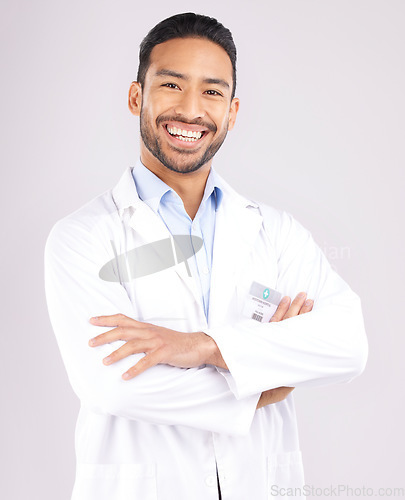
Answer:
(262, 303)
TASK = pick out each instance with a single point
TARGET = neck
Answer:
(189, 186)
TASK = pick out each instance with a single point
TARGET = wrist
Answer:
(210, 352)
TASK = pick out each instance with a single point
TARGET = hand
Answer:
(298, 306)
(284, 311)
(160, 345)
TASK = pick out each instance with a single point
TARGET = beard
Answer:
(183, 163)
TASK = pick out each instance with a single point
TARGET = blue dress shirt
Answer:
(168, 205)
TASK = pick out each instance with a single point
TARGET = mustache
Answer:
(182, 119)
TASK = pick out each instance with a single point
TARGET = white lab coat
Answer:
(163, 434)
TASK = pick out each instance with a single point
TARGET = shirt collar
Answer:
(151, 189)
(125, 196)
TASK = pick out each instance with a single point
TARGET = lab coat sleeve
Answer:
(197, 397)
(325, 346)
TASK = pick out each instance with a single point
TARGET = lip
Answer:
(178, 143)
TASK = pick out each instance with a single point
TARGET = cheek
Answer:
(162, 103)
(151, 105)
(222, 122)
(149, 115)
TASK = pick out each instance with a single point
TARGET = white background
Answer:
(320, 133)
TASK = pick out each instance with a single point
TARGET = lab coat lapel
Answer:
(237, 225)
(149, 228)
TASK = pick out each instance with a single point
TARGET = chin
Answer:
(183, 168)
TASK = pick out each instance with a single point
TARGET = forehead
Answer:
(194, 57)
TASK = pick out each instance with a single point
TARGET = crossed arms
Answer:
(328, 345)
(179, 349)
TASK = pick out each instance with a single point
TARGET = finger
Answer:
(118, 333)
(296, 305)
(281, 309)
(151, 359)
(307, 307)
(126, 350)
(112, 320)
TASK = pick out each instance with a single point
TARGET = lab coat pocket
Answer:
(115, 481)
(285, 476)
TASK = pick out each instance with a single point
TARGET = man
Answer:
(185, 379)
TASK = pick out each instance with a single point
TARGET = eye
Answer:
(213, 92)
(170, 85)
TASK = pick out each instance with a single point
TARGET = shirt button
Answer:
(205, 270)
(211, 481)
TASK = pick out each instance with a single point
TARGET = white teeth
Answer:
(186, 139)
(186, 135)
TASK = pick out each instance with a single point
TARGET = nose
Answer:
(190, 105)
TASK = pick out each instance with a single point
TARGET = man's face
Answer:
(185, 105)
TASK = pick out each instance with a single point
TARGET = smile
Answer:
(184, 135)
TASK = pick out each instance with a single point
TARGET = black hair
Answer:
(187, 25)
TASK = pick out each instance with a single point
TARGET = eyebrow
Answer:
(217, 81)
(169, 72)
(181, 76)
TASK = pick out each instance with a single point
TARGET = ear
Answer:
(135, 98)
(233, 111)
